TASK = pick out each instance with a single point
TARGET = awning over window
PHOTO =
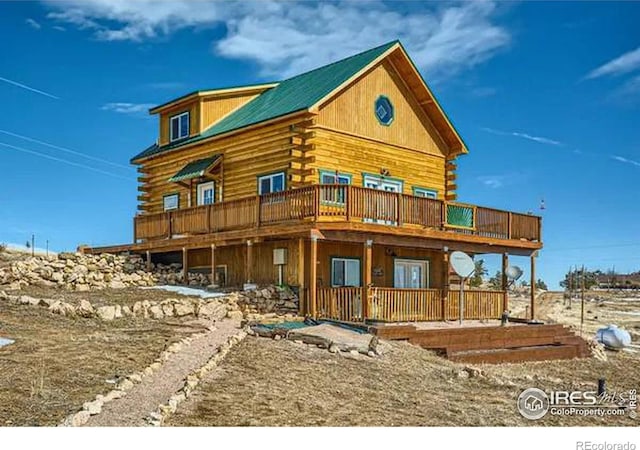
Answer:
(196, 169)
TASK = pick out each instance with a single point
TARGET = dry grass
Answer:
(57, 363)
(280, 383)
(127, 296)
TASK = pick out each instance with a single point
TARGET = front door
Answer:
(411, 274)
(382, 207)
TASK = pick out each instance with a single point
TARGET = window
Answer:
(268, 184)
(179, 126)
(335, 194)
(170, 202)
(422, 192)
(383, 109)
(411, 274)
(206, 193)
(345, 272)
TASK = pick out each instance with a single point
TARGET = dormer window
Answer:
(179, 126)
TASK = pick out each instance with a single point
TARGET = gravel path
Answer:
(155, 389)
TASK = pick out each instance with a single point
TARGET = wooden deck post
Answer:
(148, 261)
(213, 265)
(249, 262)
(366, 257)
(445, 282)
(313, 273)
(185, 266)
(505, 281)
(302, 308)
(533, 285)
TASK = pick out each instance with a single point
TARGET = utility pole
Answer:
(33, 245)
(582, 302)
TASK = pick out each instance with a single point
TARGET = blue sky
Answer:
(546, 96)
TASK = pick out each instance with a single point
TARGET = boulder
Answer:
(116, 284)
(235, 315)
(85, 309)
(156, 312)
(106, 313)
(94, 407)
(80, 418)
(184, 309)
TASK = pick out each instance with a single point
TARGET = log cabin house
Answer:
(339, 182)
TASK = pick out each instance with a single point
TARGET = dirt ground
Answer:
(58, 363)
(280, 383)
(601, 308)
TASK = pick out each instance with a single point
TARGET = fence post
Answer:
(313, 269)
(445, 282)
(347, 202)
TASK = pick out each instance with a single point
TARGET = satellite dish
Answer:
(462, 264)
(513, 272)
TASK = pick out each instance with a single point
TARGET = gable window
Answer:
(333, 194)
(423, 192)
(206, 193)
(345, 272)
(179, 126)
(268, 184)
(170, 202)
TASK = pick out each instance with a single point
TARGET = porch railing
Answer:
(405, 305)
(339, 202)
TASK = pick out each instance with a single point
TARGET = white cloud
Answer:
(538, 139)
(628, 62)
(127, 108)
(286, 38)
(626, 160)
(33, 24)
(492, 181)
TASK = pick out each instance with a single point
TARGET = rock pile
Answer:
(271, 299)
(211, 308)
(77, 272)
(171, 274)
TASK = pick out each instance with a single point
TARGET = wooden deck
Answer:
(493, 344)
(342, 204)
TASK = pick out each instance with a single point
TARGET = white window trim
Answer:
(333, 260)
(429, 193)
(178, 117)
(200, 191)
(381, 181)
(271, 176)
(427, 268)
(166, 197)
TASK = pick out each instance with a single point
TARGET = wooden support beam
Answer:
(366, 258)
(533, 286)
(185, 266)
(302, 308)
(313, 275)
(445, 282)
(249, 262)
(213, 265)
(505, 281)
(148, 261)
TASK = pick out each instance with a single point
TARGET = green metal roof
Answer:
(195, 169)
(289, 96)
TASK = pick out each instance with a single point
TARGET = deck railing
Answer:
(405, 305)
(339, 202)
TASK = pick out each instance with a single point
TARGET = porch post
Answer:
(445, 282)
(313, 269)
(148, 261)
(213, 265)
(367, 255)
(505, 281)
(185, 266)
(302, 308)
(533, 285)
(249, 262)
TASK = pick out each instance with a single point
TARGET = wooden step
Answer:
(538, 353)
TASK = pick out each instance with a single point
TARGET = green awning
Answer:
(196, 169)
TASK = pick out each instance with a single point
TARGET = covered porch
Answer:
(378, 278)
